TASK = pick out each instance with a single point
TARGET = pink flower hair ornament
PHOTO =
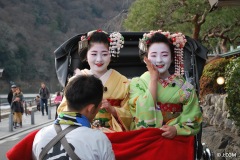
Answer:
(115, 39)
(177, 39)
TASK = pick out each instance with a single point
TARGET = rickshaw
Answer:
(130, 65)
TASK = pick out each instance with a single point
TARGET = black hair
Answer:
(82, 91)
(158, 38)
(96, 37)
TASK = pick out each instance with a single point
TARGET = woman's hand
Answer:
(106, 105)
(110, 109)
(169, 131)
(154, 78)
(152, 69)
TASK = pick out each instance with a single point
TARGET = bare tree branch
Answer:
(233, 39)
(115, 23)
(203, 17)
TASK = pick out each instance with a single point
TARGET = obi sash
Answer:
(169, 107)
(169, 110)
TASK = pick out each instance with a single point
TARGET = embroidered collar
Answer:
(72, 118)
(167, 81)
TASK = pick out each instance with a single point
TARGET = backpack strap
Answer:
(66, 145)
(57, 138)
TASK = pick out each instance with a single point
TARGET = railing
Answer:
(30, 107)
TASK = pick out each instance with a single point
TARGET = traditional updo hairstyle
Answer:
(157, 38)
(114, 42)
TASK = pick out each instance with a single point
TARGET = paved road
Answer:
(9, 142)
(9, 138)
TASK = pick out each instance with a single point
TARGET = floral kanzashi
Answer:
(116, 42)
(115, 39)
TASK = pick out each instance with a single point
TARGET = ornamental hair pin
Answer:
(142, 45)
(116, 43)
(82, 44)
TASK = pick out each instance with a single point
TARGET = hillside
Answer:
(32, 29)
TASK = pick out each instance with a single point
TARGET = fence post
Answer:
(49, 112)
(32, 117)
(25, 107)
(0, 109)
(49, 108)
(10, 122)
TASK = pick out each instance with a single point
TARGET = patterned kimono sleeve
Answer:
(124, 116)
(189, 121)
(142, 105)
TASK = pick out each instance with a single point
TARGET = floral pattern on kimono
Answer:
(174, 91)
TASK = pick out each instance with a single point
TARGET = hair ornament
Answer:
(116, 43)
(82, 44)
(115, 39)
(177, 39)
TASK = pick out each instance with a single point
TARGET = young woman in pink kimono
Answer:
(97, 48)
(159, 99)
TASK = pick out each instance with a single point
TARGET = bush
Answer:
(211, 71)
(233, 89)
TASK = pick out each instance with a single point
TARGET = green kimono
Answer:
(177, 105)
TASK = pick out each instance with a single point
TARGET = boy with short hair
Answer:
(83, 104)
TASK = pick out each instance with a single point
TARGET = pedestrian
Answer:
(57, 101)
(81, 142)
(18, 92)
(10, 94)
(159, 99)
(37, 101)
(44, 95)
(17, 110)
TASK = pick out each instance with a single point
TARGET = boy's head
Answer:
(84, 94)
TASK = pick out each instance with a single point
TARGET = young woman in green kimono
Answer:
(159, 99)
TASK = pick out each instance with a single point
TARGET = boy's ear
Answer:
(91, 108)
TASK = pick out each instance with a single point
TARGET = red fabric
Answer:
(133, 145)
(149, 144)
(114, 102)
(23, 149)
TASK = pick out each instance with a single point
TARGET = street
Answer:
(9, 142)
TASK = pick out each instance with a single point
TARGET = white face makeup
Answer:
(98, 58)
(160, 55)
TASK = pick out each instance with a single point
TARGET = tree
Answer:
(175, 15)
(223, 24)
(191, 17)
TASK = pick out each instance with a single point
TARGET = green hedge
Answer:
(211, 71)
(232, 76)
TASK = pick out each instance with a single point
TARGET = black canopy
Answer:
(129, 63)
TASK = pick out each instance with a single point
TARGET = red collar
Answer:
(167, 81)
